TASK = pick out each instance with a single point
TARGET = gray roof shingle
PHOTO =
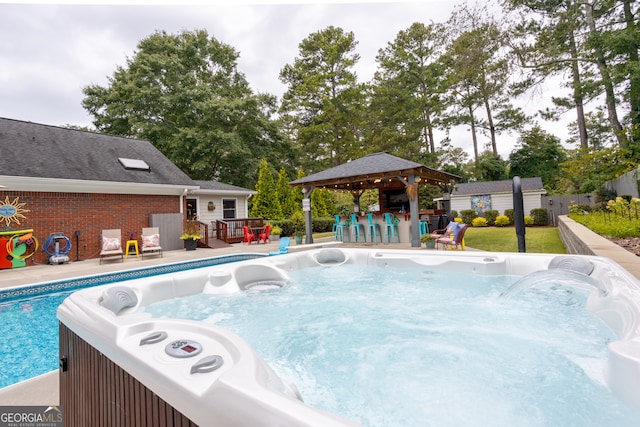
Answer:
(495, 187)
(220, 186)
(42, 151)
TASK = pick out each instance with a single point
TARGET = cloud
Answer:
(51, 51)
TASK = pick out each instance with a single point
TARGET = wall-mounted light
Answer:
(211, 206)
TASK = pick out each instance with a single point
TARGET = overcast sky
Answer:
(50, 51)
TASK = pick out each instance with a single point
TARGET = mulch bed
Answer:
(632, 244)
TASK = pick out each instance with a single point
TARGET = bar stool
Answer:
(391, 230)
(424, 227)
(374, 230)
(338, 229)
(358, 229)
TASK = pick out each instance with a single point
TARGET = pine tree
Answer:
(265, 202)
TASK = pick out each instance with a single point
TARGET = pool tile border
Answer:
(31, 291)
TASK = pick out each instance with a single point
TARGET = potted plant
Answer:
(297, 220)
(275, 232)
(429, 242)
(191, 235)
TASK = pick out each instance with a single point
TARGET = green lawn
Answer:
(504, 239)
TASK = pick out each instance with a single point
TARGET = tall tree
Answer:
(323, 102)
(407, 91)
(480, 70)
(265, 203)
(538, 153)
(183, 93)
(545, 40)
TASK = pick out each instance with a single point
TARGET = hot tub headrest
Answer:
(572, 263)
(118, 298)
(330, 256)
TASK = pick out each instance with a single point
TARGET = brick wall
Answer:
(87, 213)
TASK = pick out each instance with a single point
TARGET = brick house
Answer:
(79, 183)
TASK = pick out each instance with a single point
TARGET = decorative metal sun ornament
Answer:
(12, 211)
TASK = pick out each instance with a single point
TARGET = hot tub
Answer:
(119, 361)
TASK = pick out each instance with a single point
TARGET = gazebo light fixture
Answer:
(377, 180)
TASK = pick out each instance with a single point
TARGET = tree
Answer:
(322, 105)
(407, 91)
(538, 154)
(480, 72)
(283, 194)
(184, 94)
(265, 203)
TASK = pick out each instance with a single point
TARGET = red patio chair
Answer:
(248, 235)
(265, 235)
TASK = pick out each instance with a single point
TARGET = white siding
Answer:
(499, 202)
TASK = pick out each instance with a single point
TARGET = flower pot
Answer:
(298, 240)
(190, 244)
(430, 244)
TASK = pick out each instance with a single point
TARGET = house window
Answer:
(229, 210)
(192, 209)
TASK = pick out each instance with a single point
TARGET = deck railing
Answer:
(231, 230)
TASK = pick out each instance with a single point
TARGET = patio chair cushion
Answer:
(150, 241)
(111, 243)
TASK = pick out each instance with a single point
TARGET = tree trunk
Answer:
(634, 78)
(473, 133)
(610, 100)
(577, 92)
(492, 128)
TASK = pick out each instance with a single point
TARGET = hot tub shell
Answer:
(107, 372)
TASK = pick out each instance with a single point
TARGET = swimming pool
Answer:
(205, 370)
(28, 322)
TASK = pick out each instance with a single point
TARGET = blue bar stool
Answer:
(424, 227)
(391, 230)
(358, 229)
(338, 229)
(374, 230)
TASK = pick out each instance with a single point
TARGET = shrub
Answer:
(528, 220)
(540, 216)
(479, 222)
(579, 209)
(458, 220)
(491, 215)
(468, 215)
(502, 221)
(509, 213)
(454, 213)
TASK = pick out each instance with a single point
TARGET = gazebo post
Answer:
(414, 211)
(308, 218)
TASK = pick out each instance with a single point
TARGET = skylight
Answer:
(135, 164)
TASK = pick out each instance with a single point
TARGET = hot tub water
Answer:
(414, 346)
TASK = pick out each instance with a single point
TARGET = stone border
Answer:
(579, 240)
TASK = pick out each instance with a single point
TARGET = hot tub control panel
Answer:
(181, 349)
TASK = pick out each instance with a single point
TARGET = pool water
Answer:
(29, 331)
(413, 347)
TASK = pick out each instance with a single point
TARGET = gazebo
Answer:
(382, 171)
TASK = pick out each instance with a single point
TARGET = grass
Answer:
(504, 239)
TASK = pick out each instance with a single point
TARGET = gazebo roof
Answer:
(366, 172)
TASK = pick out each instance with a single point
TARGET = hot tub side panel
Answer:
(96, 392)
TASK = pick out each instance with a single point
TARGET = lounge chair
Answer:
(111, 244)
(457, 242)
(151, 241)
(284, 247)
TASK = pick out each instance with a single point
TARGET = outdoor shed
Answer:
(496, 195)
